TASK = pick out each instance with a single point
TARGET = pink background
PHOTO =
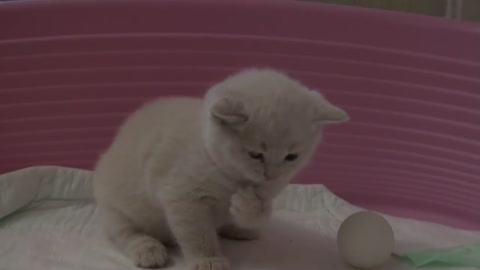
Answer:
(70, 71)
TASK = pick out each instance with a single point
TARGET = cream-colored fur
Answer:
(185, 170)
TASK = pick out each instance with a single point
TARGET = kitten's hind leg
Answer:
(231, 231)
(144, 250)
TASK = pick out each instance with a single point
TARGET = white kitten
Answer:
(184, 170)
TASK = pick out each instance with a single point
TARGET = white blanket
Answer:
(48, 221)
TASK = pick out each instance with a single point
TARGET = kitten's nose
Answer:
(271, 172)
(268, 177)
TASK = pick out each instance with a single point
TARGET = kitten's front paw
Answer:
(210, 263)
(149, 254)
(248, 209)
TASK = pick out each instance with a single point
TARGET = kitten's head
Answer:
(262, 125)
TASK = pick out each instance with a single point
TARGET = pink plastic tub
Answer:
(70, 71)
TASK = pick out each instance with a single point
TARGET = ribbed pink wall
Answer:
(71, 70)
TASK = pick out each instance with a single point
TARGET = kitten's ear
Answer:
(230, 112)
(327, 113)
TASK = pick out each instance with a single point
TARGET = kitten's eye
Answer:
(255, 155)
(291, 157)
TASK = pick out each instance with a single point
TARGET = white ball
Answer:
(365, 240)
